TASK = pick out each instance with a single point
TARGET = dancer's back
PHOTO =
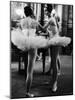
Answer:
(28, 26)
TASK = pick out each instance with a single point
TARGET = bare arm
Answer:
(46, 25)
(40, 26)
(41, 29)
(51, 21)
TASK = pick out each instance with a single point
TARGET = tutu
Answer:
(18, 39)
(60, 41)
(25, 42)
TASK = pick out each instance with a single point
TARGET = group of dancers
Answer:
(25, 39)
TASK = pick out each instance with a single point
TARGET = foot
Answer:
(54, 88)
(29, 95)
(59, 72)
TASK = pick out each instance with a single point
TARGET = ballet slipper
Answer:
(59, 73)
(54, 88)
(29, 95)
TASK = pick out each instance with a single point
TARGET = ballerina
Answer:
(53, 28)
(27, 40)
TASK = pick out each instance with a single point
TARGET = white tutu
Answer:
(24, 42)
(27, 42)
(60, 41)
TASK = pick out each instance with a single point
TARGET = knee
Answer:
(29, 76)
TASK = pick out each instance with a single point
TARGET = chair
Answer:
(20, 55)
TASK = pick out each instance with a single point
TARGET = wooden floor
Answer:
(41, 85)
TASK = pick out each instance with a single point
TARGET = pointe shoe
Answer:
(29, 95)
(54, 88)
(59, 73)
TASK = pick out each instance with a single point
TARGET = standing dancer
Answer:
(53, 14)
(27, 40)
(53, 28)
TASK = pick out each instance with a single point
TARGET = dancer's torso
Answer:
(28, 26)
(53, 27)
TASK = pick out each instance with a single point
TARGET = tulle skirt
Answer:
(24, 42)
(29, 42)
(60, 41)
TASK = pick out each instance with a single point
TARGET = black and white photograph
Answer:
(41, 49)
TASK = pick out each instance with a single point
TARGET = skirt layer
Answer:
(60, 41)
(29, 42)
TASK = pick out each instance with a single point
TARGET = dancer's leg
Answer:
(32, 55)
(54, 54)
(43, 59)
(25, 58)
(59, 64)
